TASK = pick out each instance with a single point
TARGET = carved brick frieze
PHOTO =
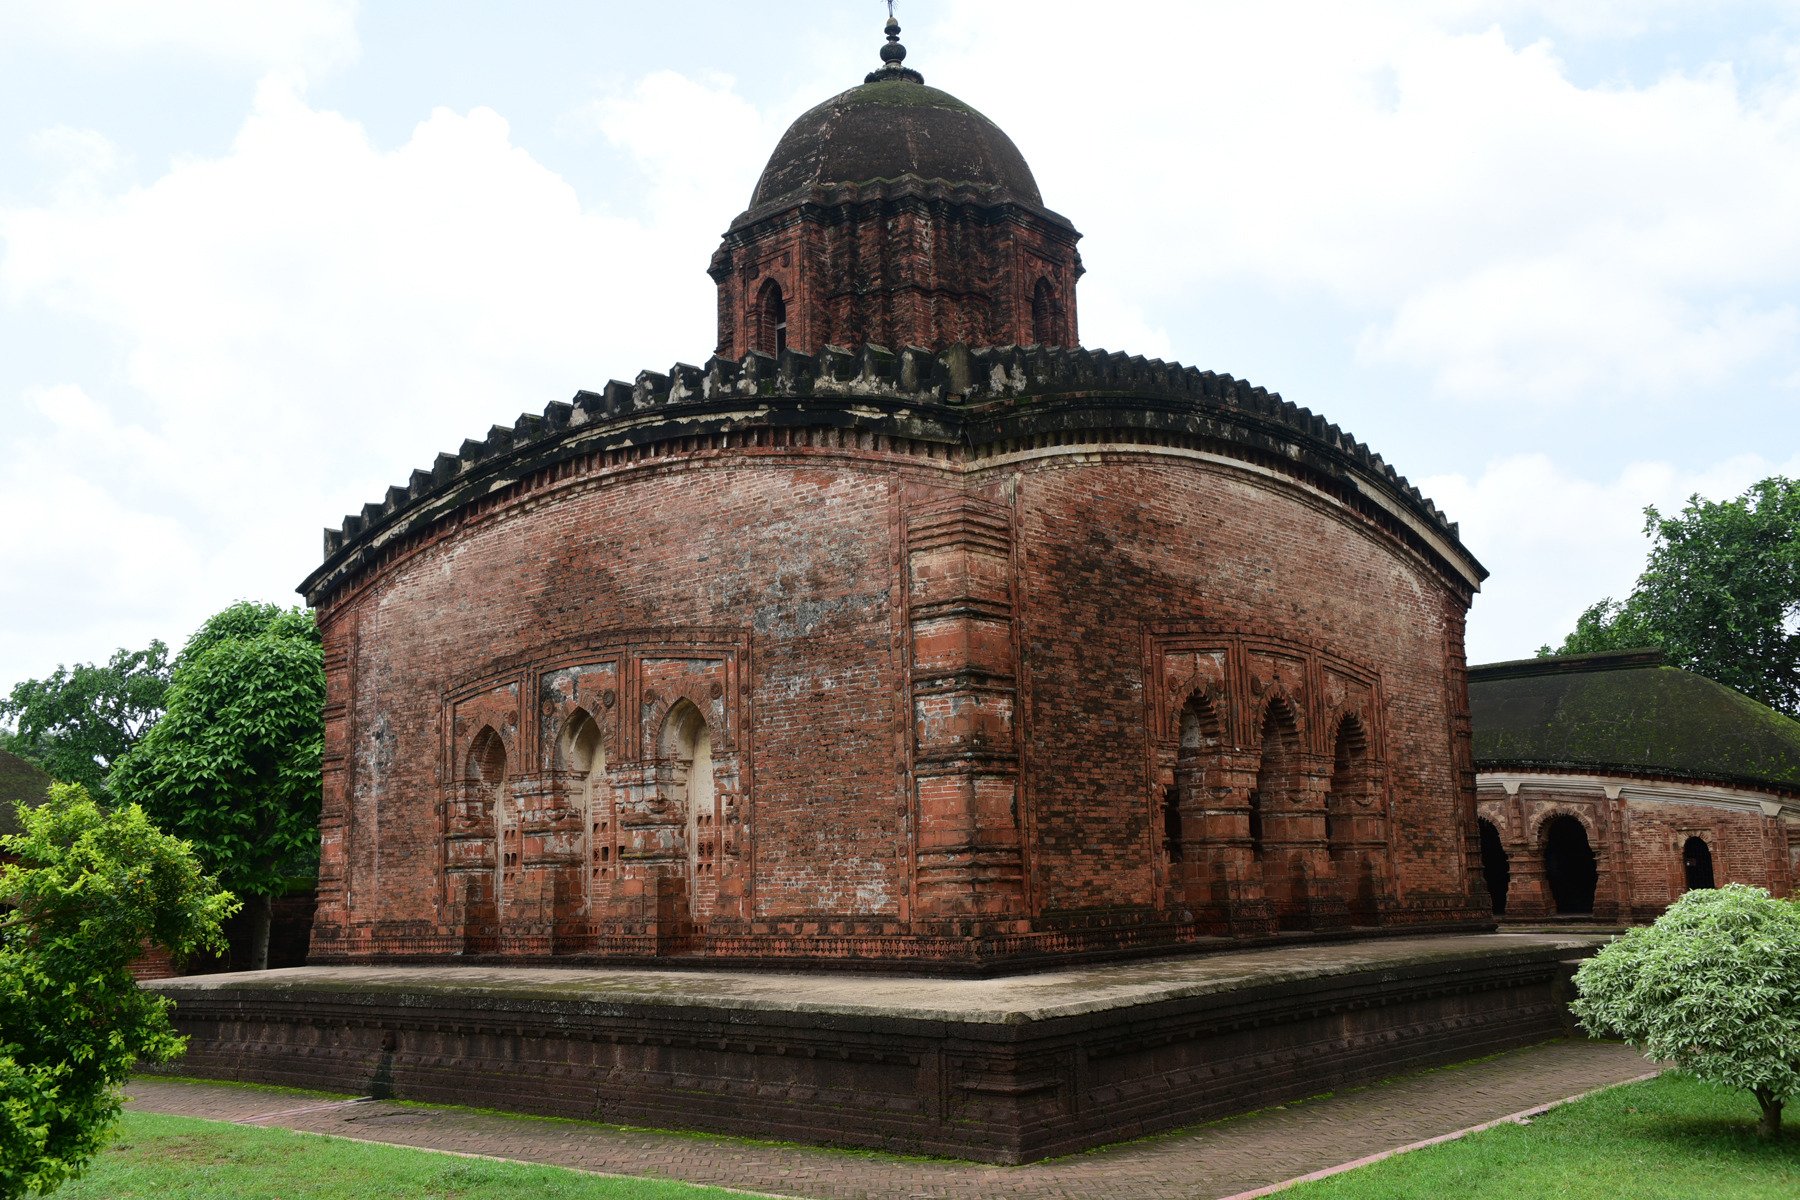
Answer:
(1268, 780)
(612, 812)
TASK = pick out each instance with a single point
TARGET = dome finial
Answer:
(893, 56)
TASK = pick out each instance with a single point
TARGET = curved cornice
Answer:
(822, 200)
(979, 400)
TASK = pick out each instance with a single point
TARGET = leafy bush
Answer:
(234, 765)
(1714, 987)
(91, 889)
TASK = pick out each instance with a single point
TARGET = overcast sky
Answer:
(260, 260)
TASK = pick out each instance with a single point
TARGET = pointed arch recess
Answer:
(1046, 329)
(688, 782)
(771, 318)
(583, 760)
(474, 866)
(1199, 734)
(1277, 771)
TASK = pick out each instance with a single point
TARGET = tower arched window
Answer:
(771, 319)
(1043, 315)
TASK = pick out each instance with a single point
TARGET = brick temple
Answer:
(905, 632)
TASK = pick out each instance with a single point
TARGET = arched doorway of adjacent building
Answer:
(1569, 865)
(1494, 865)
(1697, 864)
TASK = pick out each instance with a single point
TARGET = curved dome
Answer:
(1625, 711)
(889, 129)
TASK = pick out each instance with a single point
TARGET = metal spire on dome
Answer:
(893, 56)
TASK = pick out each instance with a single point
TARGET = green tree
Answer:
(81, 720)
(1720, 595)
(1714, 987)
(90, 889)
(234, 765)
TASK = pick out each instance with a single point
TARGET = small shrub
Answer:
(1714, 987)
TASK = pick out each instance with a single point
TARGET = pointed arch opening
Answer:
(1697, 864)
(584, 760)
(1045, 328)
(1349, 803)
(1496, 867)
(475, 840)
(1277, 770)
(1199, 734)
(687, 754)
(1355, 837)
(771, 319)
(1569, 865)
(1284, 825)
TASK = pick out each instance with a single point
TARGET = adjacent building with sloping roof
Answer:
(20, 780)
(1609, 784)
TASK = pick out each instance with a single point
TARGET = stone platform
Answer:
(997, 1070)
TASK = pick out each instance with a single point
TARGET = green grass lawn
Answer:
(1666, 1138)
(181, 1158)
(1669, 1137)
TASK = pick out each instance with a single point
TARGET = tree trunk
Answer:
(1769, 1128)
(262, 915)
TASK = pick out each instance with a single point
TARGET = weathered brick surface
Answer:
(1638, 829)
(899, 265)
(999, 1071)
(941, 693)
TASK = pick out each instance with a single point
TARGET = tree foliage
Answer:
(1714, 987)
(91, 888)
(80, 721)
(1720, 595)
(234, 765)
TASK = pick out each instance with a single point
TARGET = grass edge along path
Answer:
(1521, 1117)
(159, 1156)
(1599, 1144)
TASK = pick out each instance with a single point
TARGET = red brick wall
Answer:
(898, 274)
(1637, 837)
(1140, 543)
(803, 597)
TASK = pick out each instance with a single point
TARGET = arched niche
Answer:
(1569, 865)
(1697, 864)
(1045, 328)
(1355, 833)
(687, 772)
(1496, 867)
(771, 318)
(584, 763)
(476, 864)
(1277, 771)
(1199, 733)
(1349, 805)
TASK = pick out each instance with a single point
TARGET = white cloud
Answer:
(1489, 220)
(1548, 331)
(304, 320)
(310, 34)
(693, 138)
(1556, 541)
(81, 163)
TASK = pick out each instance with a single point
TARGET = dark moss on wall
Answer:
(19, 780)
(1628, 711)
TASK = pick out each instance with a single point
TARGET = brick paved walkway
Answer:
(1210, 1161)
